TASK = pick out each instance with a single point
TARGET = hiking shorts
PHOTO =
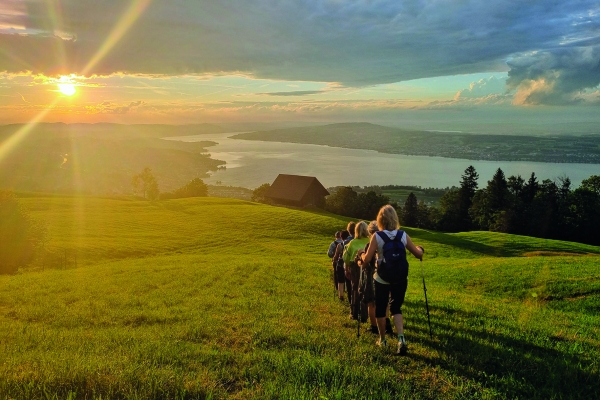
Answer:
(392, 294)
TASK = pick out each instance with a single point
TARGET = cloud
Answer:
(354, 42)
(109, 107)
(293, 93)
(558, 77)
(482, 88)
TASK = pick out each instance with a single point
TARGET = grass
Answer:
(219, 298)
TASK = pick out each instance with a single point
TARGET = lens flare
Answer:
(68, 89)
(133, 12)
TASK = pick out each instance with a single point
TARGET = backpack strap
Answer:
(386, 239)
(399, 234)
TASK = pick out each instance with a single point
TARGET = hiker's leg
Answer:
(341, 290)
(349, 289)
(371, 309)
(382, 294)
(340, 279)
(397, 292)
(399, 323)
(355, 279)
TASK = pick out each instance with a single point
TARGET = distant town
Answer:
(550, 149)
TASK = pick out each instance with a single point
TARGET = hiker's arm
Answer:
(331, 251)
(416, 251)
(369, 254)
(338, 252)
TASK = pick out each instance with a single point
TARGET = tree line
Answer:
(145, 185)
(546, 209)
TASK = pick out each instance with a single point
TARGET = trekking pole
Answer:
(359, 316)
(426, 303)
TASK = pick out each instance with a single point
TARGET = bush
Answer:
(20, 235)
(195, 188)
(258, 195)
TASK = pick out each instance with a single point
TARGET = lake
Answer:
(251, 163)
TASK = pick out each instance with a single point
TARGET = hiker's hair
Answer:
(351, 226)
(361, 230)
(338, 234)
(387, 219)
(345, 235)
(372, 227)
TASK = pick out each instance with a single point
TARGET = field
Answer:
(222, 298)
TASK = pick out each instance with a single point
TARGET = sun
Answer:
(68, 89)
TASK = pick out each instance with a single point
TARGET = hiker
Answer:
(333, 245)
(396, 268)
(331, 253)
(350, 228)
(338, 265)
(366, 284)
(361, 238)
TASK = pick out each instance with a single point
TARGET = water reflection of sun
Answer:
(68, 89)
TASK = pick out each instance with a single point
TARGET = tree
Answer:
(492, 204)
(586, 215)
(516, 219)
(592, 184)
(530, 189)
(544, 211)
(367, 205)
(145, 184)
(195, 188)
(497, 192)
(424, 216)
(342, 202)
(411, 210)
(20, 235)
(449, 218)
(468, 187)
(480, 211)
(258, 195)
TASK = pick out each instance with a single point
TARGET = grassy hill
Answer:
(221, 298)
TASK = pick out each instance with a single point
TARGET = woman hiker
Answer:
(388, 224)
(361, 238)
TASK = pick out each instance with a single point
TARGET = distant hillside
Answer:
(555, 149)
(102, 158)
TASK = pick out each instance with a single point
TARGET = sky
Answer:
(395, 61)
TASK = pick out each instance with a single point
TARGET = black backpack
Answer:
(394, 267)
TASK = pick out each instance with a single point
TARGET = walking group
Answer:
(370, 265)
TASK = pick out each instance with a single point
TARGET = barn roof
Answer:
(294, 187)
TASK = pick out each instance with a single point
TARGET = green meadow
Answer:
(212, 298)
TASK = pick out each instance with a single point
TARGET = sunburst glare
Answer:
(68, 89)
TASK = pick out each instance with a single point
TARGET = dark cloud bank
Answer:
(552, 48)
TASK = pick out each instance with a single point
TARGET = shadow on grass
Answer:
(514, 367)
(463, 244)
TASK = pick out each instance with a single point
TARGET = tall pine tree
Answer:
(411, 210)
(468, 187)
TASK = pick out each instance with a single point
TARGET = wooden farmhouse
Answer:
(297, 190)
